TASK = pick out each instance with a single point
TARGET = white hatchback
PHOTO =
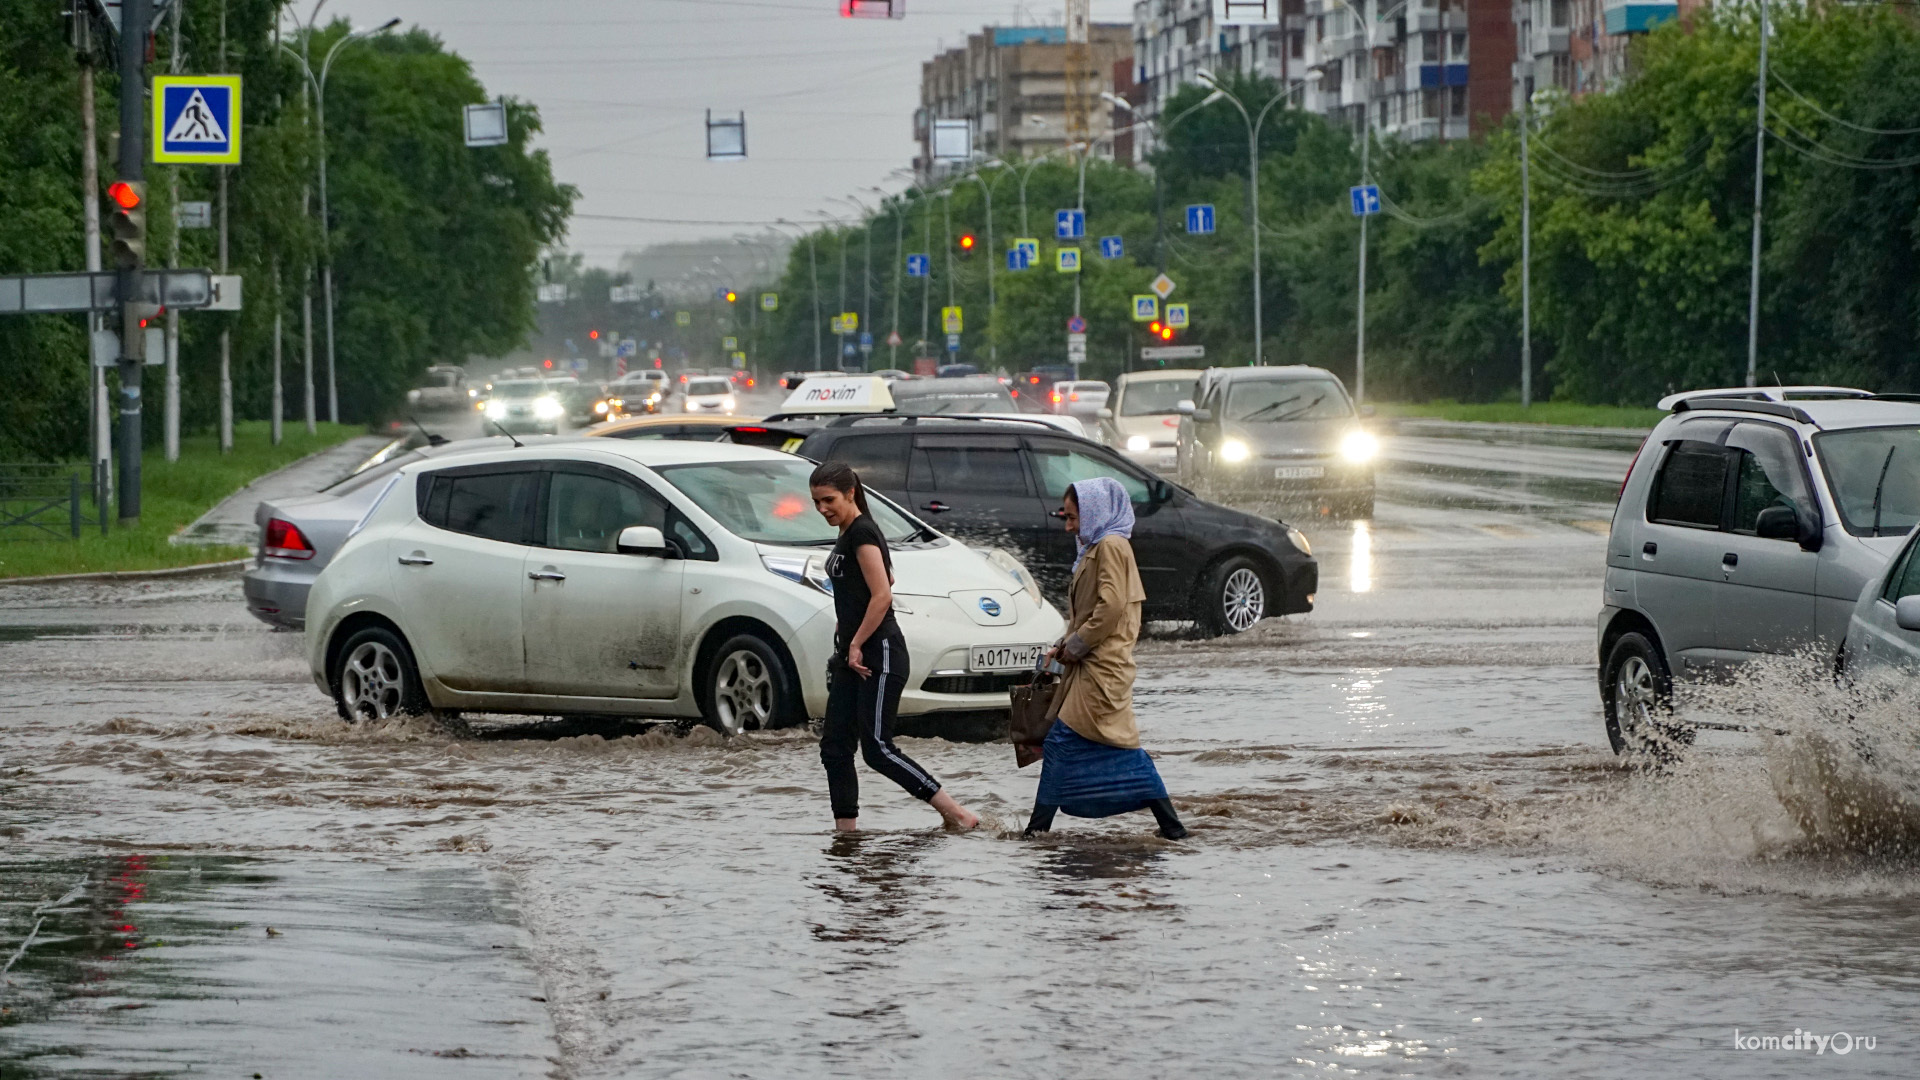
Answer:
(708, 394)
(642, 578)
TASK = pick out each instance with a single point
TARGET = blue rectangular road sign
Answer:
(1069, 224)
(1018, 259)
(917, 265)
(1366, 199)
(1112, 247)
(953, 343)
(196, 119)
(1200, 219)
(866, 339)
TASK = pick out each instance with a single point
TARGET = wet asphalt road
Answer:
(1412, 854)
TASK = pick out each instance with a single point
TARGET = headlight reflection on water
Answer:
(1360, 562)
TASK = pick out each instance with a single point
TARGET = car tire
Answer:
(1234, 595)
(746, 687)
(1636, 691)
(375, 678)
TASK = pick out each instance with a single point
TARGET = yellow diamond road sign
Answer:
(196, 119)
(1163, 286)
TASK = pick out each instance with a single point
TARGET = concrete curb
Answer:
(131, 575)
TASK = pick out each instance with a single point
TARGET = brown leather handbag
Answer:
(1032, 706)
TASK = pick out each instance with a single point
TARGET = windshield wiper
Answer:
(1267, 408)
(1881, 486)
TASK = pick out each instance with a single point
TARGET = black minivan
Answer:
(999, 483)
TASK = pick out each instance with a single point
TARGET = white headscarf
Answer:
(1105, 510)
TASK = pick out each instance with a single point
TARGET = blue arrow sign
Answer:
(1200, 219)
(917, 265)
(1112, 247)
(1366, 199)
(1018, 259)
(1069, 224)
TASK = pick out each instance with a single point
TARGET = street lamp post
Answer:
(986, 189)
(319, 83)
(813, 274)
(1254, 124)
(1366, 146)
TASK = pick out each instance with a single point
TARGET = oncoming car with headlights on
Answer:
(1288, 433)
(708, 394)
(648, 578)
(526, 405)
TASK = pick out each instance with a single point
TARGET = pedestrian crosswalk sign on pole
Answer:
(1146, 307)
(1030, 245)
(950, 319)
(196, 119)
(1068, 260)
(769, 301)
(1177, 316)
(683, 318)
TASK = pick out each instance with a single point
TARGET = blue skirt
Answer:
(1087, 779)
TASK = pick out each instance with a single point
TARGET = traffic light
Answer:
(967, 242)
(592, 335)
(1158, 329)
(732, 296)
(129, 226)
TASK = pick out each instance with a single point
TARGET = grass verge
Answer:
(172, 495)
(1558, 413)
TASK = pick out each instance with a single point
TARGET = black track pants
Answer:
(860, 712)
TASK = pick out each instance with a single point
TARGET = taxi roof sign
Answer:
(840, 394)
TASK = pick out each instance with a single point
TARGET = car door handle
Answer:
(546, 575)
(1650, 548)
(415, 559)
(1730, 559)
(936, 507)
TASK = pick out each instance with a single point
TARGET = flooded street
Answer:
(1412, 854)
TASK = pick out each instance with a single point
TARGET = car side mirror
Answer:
(1777, 523)
(1161, 492)
(1906, 612)
(1201, 416)
(644, 540)
(1105, 413)
(1184, 407)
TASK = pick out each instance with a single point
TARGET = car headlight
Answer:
(601, 407)
(1004, 559)
(1139, 444)
(727, 403)
(496, 410)
(1359, 447)
(808, 570)
(473, 393)
(1233, 450)
(547, 408)
(1299, 539)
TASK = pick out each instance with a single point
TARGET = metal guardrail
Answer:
(49, 501)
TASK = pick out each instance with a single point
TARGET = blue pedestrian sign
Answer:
(1018, 259)
(1366, 199)
(917, 265)
(1069, 224)
(1112, 247)
(1200, 219)
(866, 339)
(196, 119)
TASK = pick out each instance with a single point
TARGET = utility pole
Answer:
(170, 423)
(279, 389)
(926, 281)
(136, 18)
(102, 428)
(899, 266)
(813, 268)
(1526, 257)
(866, 296)
(1759, 194)
(226, 329)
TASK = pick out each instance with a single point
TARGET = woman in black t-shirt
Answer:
(868, 669)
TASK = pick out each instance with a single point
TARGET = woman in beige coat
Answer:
(1092, 764)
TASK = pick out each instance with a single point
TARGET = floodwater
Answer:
(1412, 855)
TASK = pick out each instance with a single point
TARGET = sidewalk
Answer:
(231, 522)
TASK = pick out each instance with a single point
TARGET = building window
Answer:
(1559, 14)
(1430, 48)
(1458, 105)
(1563, 71)
(1460, 45)
(1430, 104)
(1299, 48)
(1320, 28)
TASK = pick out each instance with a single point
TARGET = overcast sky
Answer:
(624, 85)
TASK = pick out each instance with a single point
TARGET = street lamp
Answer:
(319, 84)
(866, 277)
(1366, 145)
(986, 189)
(813, 271)
(1254, 123)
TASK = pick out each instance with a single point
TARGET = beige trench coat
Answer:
(1103, 622)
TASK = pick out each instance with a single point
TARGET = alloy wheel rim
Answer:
(372, 682)
(1634, 696)
(743, 692)
(1243, 600)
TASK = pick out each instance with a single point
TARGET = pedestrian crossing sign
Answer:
(196, 119)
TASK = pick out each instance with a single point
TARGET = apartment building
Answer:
(1582, 46)
(1411, 69)
(1011, 83)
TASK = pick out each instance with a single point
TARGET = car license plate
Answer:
(1299, 472)
(1004, 657)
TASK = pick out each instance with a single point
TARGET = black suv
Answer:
(999, 483)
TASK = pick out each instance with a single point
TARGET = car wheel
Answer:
(746, 687)
(375, 677)
(1233, 597)
(1637, 692)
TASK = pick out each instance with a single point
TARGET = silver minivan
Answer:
(1883, 638)
(1748, 525)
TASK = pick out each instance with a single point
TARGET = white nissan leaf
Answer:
(643, 578)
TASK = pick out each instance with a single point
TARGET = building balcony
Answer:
(1437, 75)
(1549, 40)
(1633, 17)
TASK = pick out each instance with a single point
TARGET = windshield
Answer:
(769, 502)
(1155, 397)
(1264, 400)
(708, 386)
(441, 378)
(532, 388)
(1866, 461)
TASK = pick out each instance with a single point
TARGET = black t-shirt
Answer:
(850, 592)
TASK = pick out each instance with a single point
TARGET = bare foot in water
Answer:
(955, 815)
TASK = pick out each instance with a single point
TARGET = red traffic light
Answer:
(548, 362)
(1154, 328)
(967, 241)
(592, 335)
(1166, 333)
(124, 195)
(732, 296)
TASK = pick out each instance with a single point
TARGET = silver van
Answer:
(1748, 525)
